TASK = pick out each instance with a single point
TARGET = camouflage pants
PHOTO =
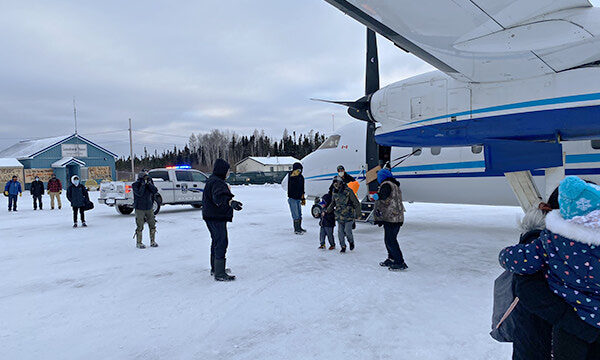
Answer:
(142, 216)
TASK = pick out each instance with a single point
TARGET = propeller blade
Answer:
(372, 71)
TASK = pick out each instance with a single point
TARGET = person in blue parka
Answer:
(13, 189)
(568, 251)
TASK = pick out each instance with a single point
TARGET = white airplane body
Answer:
(437, 175)
(518, 78)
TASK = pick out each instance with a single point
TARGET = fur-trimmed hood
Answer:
(583, 229)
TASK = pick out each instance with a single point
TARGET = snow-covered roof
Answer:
(9, 163)
(66, 161)
(273, 160)
(27, 149)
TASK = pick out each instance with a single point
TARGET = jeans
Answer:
(345, 230)
(12, 202)
(390, 237)
(295, 208)
(326, 232)
(218, 235)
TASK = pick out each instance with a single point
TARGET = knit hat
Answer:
(341, 168)
(384, 174)
(577, 198)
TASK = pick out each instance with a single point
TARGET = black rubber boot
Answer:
(220, 274)
(297, 230)
(300, 226)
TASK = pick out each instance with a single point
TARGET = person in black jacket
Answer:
(327, 223)
(217, 210)
(143, 203)
(37, 190)
(296, 196)
(77, 194)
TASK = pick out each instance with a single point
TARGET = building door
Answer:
(72, 170)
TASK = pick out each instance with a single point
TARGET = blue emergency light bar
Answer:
(179, 167)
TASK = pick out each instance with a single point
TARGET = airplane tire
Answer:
(197, 206)
(316, 210)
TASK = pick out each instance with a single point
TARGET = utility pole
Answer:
(75, 114)
(131, 150)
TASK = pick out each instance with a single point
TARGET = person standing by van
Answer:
(143, 203)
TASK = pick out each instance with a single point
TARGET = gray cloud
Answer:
(180, 67)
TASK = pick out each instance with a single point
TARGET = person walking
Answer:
(77, 194)
(143, 201)
(327, 223)
(54, 190)
(37, 190)
(296, 196)
(217, 211)
(13, 190)
(389, 213)
(346, 208)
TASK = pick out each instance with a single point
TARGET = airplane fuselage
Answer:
(433, 109)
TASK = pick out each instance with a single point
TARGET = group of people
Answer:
(341, 207)
(557, 267)
(77, 195)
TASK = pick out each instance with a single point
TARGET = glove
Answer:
(48, 192)
(303, 201)
(375, 197)
(235, 205)
(59, 192)
(20, 194)
(6, 193)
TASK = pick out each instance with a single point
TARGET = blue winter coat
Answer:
(570, 255)
(13, 187)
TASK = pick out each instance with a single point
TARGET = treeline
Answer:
(203, 149)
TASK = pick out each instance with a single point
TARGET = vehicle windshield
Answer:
(331, 143)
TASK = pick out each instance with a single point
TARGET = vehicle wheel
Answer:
(124, 210)
(197, 206)
(316, 211)
(156, 205)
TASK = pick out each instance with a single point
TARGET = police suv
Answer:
(177, 185)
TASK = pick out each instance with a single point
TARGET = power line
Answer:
(161, 134)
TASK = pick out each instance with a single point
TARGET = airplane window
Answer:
(331, 143)
(476, 149)
(596, 144)
(417, 151)
(436, 150)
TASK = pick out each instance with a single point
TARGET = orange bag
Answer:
(354, 186)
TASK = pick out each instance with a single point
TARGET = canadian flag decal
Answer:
(344, 146)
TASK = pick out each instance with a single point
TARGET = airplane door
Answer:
(183, 186)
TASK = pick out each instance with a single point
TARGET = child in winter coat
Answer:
(327, 223)
(568, 250)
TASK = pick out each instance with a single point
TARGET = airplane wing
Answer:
(486, 40)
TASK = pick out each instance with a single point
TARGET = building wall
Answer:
(96, 160)
(247, 165)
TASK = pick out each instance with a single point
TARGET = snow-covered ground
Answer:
(88, 293)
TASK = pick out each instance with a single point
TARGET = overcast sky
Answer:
(180, 67)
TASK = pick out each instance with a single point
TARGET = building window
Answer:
(417, 151)
(272, 169)
(436, 150)
(476, 149)
(595, 144)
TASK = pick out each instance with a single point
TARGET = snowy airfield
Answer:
(88, 293)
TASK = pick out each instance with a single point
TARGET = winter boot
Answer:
(351, 246)
(297, 230)
(152, 237)
(398, 267)
(332, 247)
(139, 243)
(84, 224)
(343, 249)
(75, 225)
(322, 246)
(300, 226)
(220, 273)
(386, 263)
